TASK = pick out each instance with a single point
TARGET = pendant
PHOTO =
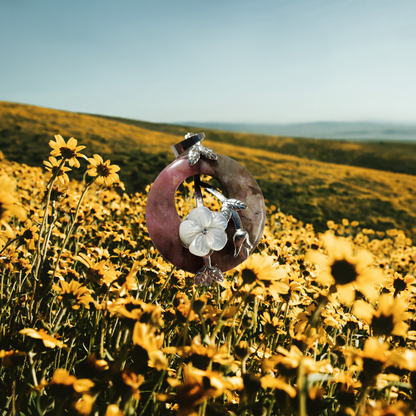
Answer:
(205, 243)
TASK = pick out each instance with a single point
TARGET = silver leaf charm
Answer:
(236, 204)
(194, 155)
(206, 275)
(197, 150)
(229, 205)
(208, 153)
(242, 243)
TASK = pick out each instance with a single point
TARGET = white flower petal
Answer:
(218, 221)
(188, 231)
(216, 239)
(199, 247)
(202, 216)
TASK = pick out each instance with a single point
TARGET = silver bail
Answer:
(190, 140)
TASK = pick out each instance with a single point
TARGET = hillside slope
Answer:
(392, 156)
(311, 191)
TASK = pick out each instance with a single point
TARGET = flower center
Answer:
(103, 170)
(204, 231)
(343, 272)
(68, 153)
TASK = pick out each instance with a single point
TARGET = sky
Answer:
(264, 61)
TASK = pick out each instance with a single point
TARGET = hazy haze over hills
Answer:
(325, 129)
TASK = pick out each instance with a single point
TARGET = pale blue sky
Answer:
(213, 60)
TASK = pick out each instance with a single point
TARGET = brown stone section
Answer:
(163, 220)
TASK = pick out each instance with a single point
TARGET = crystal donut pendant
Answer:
(206, 243)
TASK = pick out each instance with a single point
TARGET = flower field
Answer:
(95, 322)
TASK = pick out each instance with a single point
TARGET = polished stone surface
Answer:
(163, 221)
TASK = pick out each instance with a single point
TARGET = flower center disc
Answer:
(163, 221)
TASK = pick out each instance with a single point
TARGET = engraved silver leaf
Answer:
(226, 211)
(209, 153)
(206, 275)
(236, 204)
(194, 155)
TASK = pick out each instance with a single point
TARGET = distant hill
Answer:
(360, 131)
(312, 191)
(392, 156)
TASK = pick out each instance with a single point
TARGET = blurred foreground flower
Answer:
(388, 319)
(8, 204)
(260, 269)
(48, 340)
(64, 386)
(347, 271)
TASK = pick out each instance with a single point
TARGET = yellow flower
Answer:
(73, 294)
(12, 358)
(82, 406)
(399, 284)
(30, 235)
(144, 336)
(102, 272)
(202, 355)
(48, 340)
(63, 385)
(260, 270)
(105, 172)
(388, 319)
(287, 363)
(8, 204)
(372, 359)
(113, 410)
(346, 270)
(68, 151)
(269, 381)
(198, 386)
(127, 382)
(271, 325)
(53, 166)
(404, 358)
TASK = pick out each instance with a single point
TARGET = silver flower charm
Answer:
(203, 231)
(197, 150)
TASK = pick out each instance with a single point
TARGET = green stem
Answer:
(11, 242)
(58, 320)
(49, 232)
(303, 391)
(45, 218)
(270, 409)
(361, 399)
(69, 233)
(163, 286)
(316, 313)
(39, 246)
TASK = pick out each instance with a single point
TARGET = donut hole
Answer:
(185, 195)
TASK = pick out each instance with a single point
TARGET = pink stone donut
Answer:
(163, 220)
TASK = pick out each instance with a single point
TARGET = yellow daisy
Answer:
(53, 166)
(8, 204)
(345, 269)
(68, 151)
(388, 319)
(73, 294)
(105, 172)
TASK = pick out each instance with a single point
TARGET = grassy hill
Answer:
(398, 157)
(310, 190)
